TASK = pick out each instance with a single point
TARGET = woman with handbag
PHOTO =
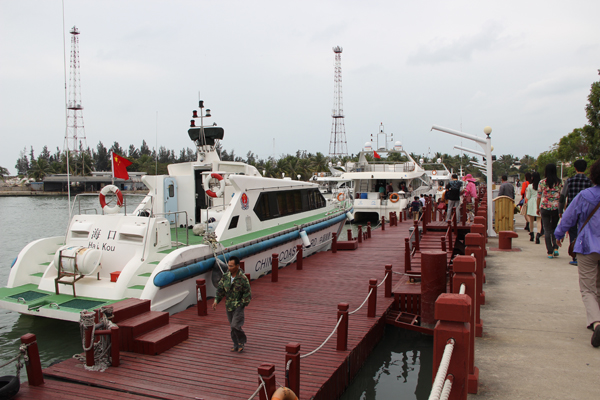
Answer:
(587, 246)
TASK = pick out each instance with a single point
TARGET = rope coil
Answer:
(101, 347)
(326, 340)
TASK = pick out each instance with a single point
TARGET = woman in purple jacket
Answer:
(587, 247)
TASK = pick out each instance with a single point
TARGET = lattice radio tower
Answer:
(337, 144)
(75, 135)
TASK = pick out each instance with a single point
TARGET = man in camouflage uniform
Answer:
(236, 288)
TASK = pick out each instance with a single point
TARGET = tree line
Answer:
(581, 143)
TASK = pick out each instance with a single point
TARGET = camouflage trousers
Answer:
(236, 321)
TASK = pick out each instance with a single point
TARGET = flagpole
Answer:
(112, 166)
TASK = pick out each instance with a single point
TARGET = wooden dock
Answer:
(300, 308)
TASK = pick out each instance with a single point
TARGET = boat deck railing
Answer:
(386, 167)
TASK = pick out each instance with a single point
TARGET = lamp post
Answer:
(486, 145)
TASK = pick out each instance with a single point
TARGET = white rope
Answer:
(436, 388)
(386, 276)
(363, 303)
(463, 289)
(258, 389)
(447, 388)
(326, 340)
(403, 273)
(287, 366)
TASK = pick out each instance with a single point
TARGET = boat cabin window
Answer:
(287, 202)
(171, 190)
(234, 222)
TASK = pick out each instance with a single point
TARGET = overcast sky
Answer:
(265, 69)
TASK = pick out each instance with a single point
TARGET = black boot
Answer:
(537, 238)
(527, 227)
(531, 235)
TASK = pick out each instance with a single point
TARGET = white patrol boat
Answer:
(406, 176)
(151, 252)
(439, 175)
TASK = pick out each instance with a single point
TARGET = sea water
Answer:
(399, 366)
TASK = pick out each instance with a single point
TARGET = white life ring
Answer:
(207, 187)
(106, 190)
(434, 172)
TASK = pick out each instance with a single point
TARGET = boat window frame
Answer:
(282, 203)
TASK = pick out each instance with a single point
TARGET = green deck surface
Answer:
(48, 298)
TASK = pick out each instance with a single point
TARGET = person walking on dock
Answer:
(532, 208)
(583, 209)
(572, 187)
(453, 196)
(506, 189)
(415, 207)
(548, 195)
(234, 285)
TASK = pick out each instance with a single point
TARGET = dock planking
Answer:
(300, 308)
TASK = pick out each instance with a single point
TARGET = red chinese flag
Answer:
(376, 155)
(119, 166)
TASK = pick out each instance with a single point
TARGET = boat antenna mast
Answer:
(337, 143)
(75, 135)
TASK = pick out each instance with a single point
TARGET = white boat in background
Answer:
(439, 175)
(151, 253)
(398, 168)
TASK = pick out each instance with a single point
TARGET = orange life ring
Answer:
(434, 172)
(207, 187)
(284, 393)
(394, 197)
(105, 190)
(341, 196)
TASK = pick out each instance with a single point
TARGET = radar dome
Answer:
(439, 160)
(368, 146)
(398, 146)
(421, 161)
